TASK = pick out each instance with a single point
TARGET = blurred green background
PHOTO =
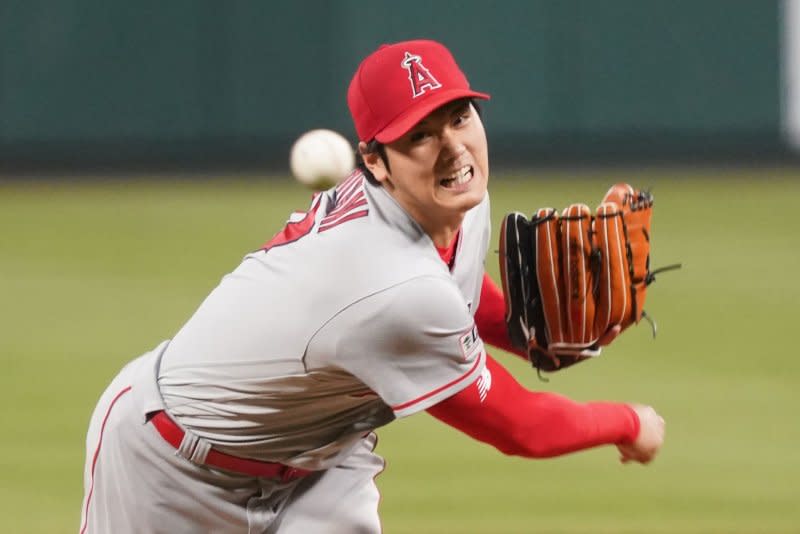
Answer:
(199, 83)
(92, 273)
(143, 152)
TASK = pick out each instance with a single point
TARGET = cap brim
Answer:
(404, 122)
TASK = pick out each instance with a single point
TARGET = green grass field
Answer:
(94, 273)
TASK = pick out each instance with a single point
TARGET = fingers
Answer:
(576, 249)
(650, 439)
(629, 454)
(549, 276)
(619, 194)
(613, 301)
(610, 336)
(627, 457)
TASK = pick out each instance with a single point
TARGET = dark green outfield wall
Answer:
(192, 82)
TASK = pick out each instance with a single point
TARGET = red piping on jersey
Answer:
(404, 405)
(357, 201)
(343, 205)
(96, 454)
(294, 230)
(346, 188)
(344, 218)
(347, 193)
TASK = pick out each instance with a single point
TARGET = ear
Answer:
(373, 162)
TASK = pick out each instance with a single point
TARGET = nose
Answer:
(452, 145)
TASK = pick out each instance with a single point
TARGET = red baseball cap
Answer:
(399, 84)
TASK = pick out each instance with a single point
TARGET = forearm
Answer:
(490, 318)
(534, 424)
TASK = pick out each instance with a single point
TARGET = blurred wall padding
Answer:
(207, 83)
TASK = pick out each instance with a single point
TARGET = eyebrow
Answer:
(449, 109)
(460, 105)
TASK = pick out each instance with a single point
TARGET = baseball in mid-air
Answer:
(321, 159)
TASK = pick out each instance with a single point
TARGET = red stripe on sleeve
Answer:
(398, 407)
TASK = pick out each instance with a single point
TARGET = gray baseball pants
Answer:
(135, 482)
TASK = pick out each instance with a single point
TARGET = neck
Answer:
(441, 227)
(442, 235)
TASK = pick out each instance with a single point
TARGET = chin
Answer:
(469, 199)
(476, 192)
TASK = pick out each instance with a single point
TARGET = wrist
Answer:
(617, 421)
(635, 426)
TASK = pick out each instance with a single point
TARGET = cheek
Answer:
(479, 147)
(416, 171)
(484, 158)
(481, 155)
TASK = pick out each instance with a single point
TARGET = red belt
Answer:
(173, 434)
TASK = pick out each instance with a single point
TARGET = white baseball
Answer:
(321, 159)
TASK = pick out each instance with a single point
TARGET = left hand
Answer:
(573, 281)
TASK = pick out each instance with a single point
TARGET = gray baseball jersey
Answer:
(346, 320)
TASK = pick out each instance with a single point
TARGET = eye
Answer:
(418, 136)
(462, 116)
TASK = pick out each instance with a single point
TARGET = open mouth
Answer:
(460, 177)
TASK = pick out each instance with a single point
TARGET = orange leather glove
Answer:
(574, 281)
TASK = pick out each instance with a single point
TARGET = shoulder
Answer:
(427, 300)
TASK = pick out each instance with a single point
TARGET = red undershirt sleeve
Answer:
(490, 317)
(497, 410)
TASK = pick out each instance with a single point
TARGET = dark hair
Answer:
(374, 146)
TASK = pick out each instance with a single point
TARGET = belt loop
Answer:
(289, 473)
(193, 448)
(200, 451)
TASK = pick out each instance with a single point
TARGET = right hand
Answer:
(650, 439)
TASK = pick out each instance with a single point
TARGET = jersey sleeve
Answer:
(413, 344)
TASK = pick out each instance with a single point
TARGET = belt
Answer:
(173, 434)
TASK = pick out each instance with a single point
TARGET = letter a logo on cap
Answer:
(420, 77)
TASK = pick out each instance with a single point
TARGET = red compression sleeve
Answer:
(533, 424)
(490, 317)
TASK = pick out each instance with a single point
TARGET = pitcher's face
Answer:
(439, 169)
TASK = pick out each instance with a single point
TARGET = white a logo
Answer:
(420, 77)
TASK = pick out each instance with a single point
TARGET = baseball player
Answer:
(258, 416)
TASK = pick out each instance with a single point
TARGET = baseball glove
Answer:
(570, 280)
